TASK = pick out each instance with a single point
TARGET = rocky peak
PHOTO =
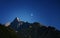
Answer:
(16, 19)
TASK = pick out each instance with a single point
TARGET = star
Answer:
(31, 14)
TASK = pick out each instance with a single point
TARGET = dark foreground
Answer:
(34, 30)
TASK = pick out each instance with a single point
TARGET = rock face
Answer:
(15, 24)
(33, 30)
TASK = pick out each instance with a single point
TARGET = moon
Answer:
(31, 14)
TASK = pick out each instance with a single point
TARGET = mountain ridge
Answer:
(33, 30)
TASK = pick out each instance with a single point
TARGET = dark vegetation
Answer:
(6, 32)
(29, 30)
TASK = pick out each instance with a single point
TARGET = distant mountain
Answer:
(15, 24)
(33, 30)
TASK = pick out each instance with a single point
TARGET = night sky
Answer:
(46, 12)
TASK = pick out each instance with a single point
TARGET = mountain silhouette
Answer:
(22, 29)
(15, 24)
(7, 32)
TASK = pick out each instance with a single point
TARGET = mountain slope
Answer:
(33, 30)
(6, 32)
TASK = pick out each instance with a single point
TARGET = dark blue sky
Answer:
(46, 12)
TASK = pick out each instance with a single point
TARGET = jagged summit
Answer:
(15, 24)
(17, 19)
